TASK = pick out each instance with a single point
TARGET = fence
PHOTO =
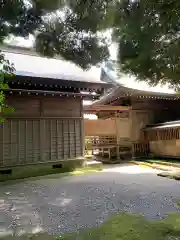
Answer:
(140, 149)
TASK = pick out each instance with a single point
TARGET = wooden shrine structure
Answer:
(47, 125)
(151, 125)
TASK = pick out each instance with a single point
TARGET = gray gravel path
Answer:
(72, 203)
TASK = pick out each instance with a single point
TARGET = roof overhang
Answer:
(124, 92)
(17, 79)
(105, 108)
(172, 124)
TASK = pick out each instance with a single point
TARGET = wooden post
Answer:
(63, 140)
(11, 142)
(82, 129)
(26, 141)
(42, 128)
(131, 133)
(42, 138)
(117, 138)
(69, 138)
(3, 136)
(18, 141)
(33, 140)
(57, 140)
(178, 133)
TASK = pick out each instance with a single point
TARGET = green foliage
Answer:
(6, 70)
(69, 28)
(148, 34)
(74, 34)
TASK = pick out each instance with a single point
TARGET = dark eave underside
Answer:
(58, 82)
(85, 96)
(163, 125)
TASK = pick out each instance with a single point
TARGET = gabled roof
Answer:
(128, 86)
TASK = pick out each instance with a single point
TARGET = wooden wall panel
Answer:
(123, 129)
(24, 105)
(61, 107)
(140, 119)
(42, 129)
(21, 141)
(34, 106)
(164, 148)
(99, 127)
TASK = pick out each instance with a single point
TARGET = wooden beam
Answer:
(98, 108)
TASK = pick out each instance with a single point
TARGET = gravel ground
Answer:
(72, 203)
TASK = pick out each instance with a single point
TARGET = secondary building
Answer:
(150, 123)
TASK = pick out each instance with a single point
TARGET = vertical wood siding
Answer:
(53, 136)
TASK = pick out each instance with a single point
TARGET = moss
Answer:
(56, 170)
(170, 174)
(23, 172)
(122, 227)
(130, 227)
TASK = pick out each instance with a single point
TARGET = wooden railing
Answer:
(104, 141)
(97, 141)
(162, 134)
(140, 149)
(107, 145)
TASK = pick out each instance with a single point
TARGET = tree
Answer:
(69, 28)
(148, 33)
(6, 70)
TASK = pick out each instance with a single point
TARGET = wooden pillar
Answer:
(117, 138)
(178, 133)
(82, 129)
(42, 128)
(131, 132)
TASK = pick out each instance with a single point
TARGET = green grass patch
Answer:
(170, 174)
(164, 161)
(122, 227)
(131, 227)
(148, 165)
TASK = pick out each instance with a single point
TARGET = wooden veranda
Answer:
(103, 134)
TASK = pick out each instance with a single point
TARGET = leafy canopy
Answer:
(70, 28)
(148, 33)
